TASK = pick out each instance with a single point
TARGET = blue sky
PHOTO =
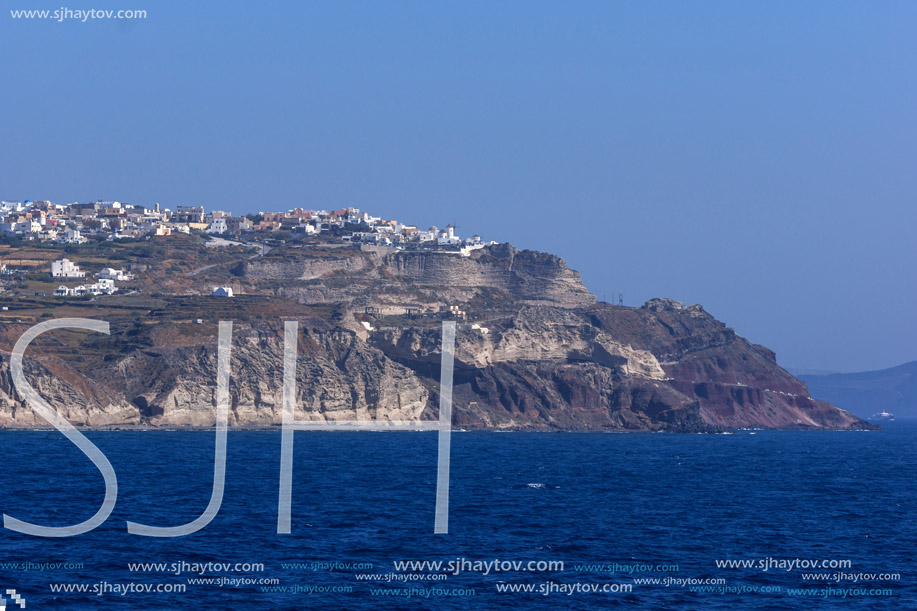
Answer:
(757, 158)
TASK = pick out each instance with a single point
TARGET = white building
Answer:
(218, 225)
(447, 237)
(11, 206)
(106, 285)
(66, 269)
(222, 291)
(110, 273)
(428, 235)
(73, 236)
(14, 227)
(102, 287)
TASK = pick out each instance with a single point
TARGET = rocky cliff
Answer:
(534, 350)
(385, 278)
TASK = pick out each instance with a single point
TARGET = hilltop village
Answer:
(77, 223)
(43, 223)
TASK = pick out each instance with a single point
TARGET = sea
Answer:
(748, 520)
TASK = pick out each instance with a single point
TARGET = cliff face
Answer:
(598, 368)
(523, 276)
(339, 377)
(548, 368)
(737, 384)
(383, 277)
(537, 352)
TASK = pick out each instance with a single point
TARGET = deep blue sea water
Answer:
(659, 506)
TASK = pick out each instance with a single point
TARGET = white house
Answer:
(65, 268)
(474, 243)
(73, 236)
(428, 235)
(12, 206)
(110, 273)
(218, 225)
(105, 285)
(16, 227)
(222, 291)
(102, 287)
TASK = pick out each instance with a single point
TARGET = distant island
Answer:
(869, 393)
(535, 350)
